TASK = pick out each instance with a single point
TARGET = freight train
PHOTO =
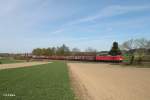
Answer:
(107, 58)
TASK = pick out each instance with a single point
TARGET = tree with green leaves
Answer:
(63, 50)
(60, 51)
(115, 49)
(37, 51)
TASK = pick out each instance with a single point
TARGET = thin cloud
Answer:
(58, 31)
(110, 11)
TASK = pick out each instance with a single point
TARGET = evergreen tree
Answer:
(115, 50)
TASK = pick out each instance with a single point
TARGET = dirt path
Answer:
(111, 82)
(24, 64)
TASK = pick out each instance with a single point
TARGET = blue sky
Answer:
(28, 24)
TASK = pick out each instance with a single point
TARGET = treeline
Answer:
(62, 51)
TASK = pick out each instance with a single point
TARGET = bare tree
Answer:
(136, 47)
(142, 47)
(148, 44)
(89, 49)
(129, 45)
(75, 50)
(142, 43)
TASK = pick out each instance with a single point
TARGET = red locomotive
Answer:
(109, 58)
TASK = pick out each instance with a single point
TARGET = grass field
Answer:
(9, 60)
(41, 82)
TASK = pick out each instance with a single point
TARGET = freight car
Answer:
(81, 58)
(108, 58)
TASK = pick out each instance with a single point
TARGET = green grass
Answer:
(9, 60)
(42, 82)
